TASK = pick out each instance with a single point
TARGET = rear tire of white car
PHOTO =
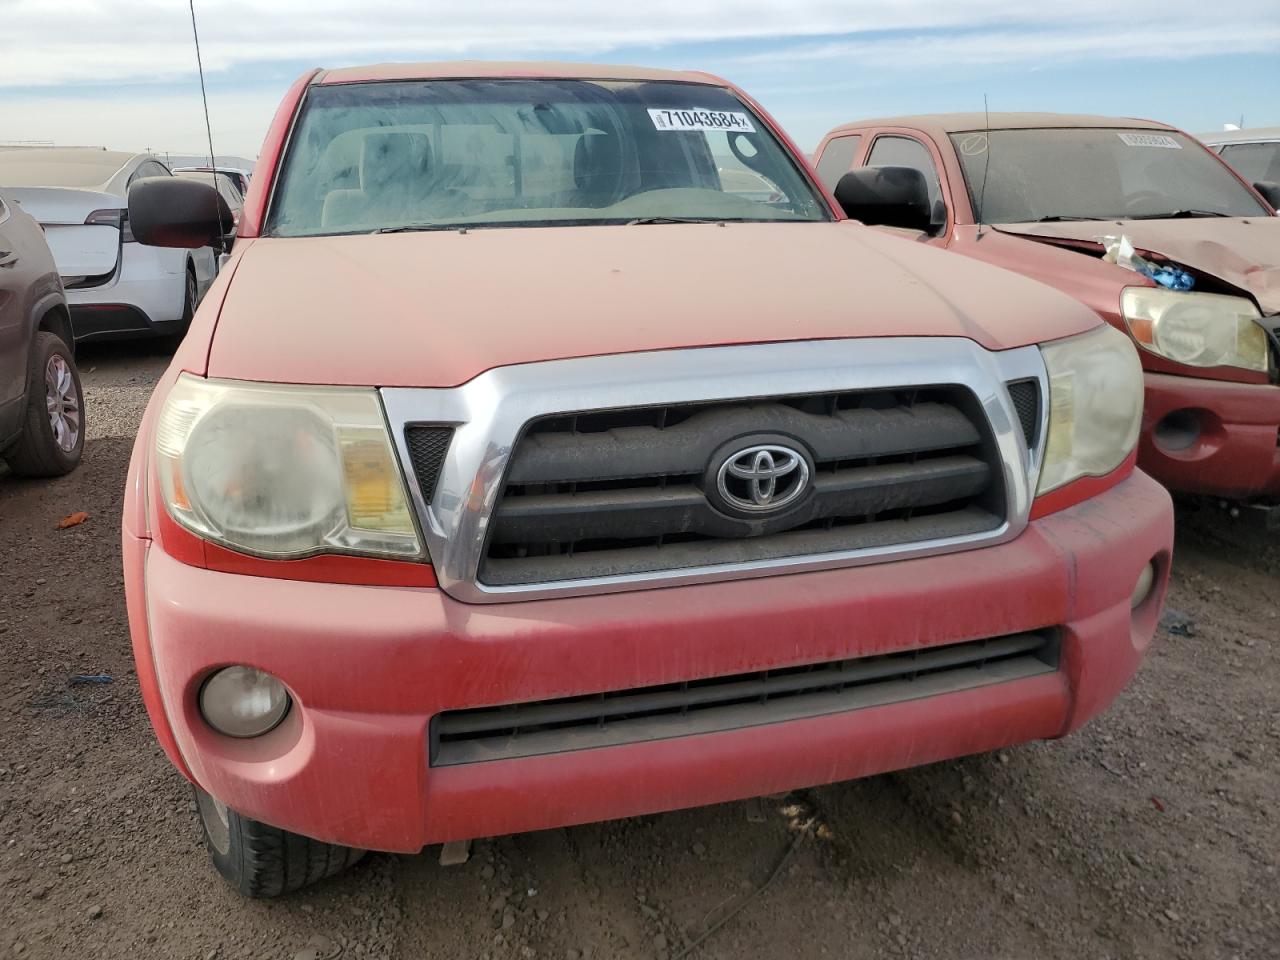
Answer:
(190, 300)
(263, 861)
(52, 438)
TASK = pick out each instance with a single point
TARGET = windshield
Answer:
(1255, 161)
(461, 153)
(1096, 174)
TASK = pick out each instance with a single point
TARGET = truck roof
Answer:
(1249, 135)
(484, 69)
(942, 124)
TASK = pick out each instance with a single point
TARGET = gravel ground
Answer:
(1152, 833)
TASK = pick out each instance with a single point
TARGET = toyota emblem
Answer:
(763, 479)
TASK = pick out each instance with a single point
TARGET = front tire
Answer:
(263, 861)
(52, 438)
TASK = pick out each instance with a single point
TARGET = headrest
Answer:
(597, 163)
(394, 158)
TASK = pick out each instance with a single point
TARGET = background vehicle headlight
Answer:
(1197, 329)
(1095, 405)
(283, 471)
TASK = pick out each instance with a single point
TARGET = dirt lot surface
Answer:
(1153, 833)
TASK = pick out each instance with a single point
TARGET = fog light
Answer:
(1178, 431)
(243, 702)
(1142, 589)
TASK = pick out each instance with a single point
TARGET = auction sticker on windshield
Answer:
(1150, 140)
(726, 120)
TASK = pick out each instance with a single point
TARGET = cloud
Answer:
(122, 72)
(1161, 41)
(49, 43)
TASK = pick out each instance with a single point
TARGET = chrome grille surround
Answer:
(489, 413)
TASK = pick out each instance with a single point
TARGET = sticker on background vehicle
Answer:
(708, 120)
(1149, 140)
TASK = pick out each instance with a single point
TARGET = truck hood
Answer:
(439, 308)
(1243, 252)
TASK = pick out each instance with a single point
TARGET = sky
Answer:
(122, 73)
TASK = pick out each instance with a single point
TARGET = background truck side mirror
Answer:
(886, 196)
(1270, 192)
(174, 212)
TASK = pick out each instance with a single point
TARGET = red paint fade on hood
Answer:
(437, 309)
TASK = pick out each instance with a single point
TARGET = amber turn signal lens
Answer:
(374, 500)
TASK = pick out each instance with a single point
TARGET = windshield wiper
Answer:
(1064, 218)
(647, 220)
(421, 227)
(1181, 215)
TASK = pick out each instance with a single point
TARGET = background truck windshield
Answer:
(1096, 174)
(1255, 161)
(370, 156)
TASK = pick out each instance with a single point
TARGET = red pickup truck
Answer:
(551, 449)
(1047, 195)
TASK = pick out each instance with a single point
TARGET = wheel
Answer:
(263, 861)
(190, 301)
(53, 429)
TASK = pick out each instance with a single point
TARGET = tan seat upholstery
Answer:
(343, 208)
(394, 171)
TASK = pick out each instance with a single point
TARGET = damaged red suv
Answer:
(1196, 282)
(550, 449)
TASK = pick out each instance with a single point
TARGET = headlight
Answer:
(1197, 329)
(1095, 405)
(282, 471)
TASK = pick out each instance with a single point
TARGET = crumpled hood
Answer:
(439, 308)
(1244, 252)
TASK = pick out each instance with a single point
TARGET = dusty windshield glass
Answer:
(1096, 174)
(370, 156)
(1255, 161)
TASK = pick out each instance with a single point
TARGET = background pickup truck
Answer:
(1039, 193)
(617, 472)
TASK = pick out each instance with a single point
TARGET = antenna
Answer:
(986, 166)
(208, 128)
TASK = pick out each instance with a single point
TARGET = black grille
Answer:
(1025, 395)
(734, 702)
(427, 448)
(633, 491)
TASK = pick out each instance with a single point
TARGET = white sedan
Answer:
(115, 286)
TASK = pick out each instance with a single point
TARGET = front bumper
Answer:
(1212, 437)
(370, 666)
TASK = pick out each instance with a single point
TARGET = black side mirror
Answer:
(1270, 192)
(887, 197)
(176, 212)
